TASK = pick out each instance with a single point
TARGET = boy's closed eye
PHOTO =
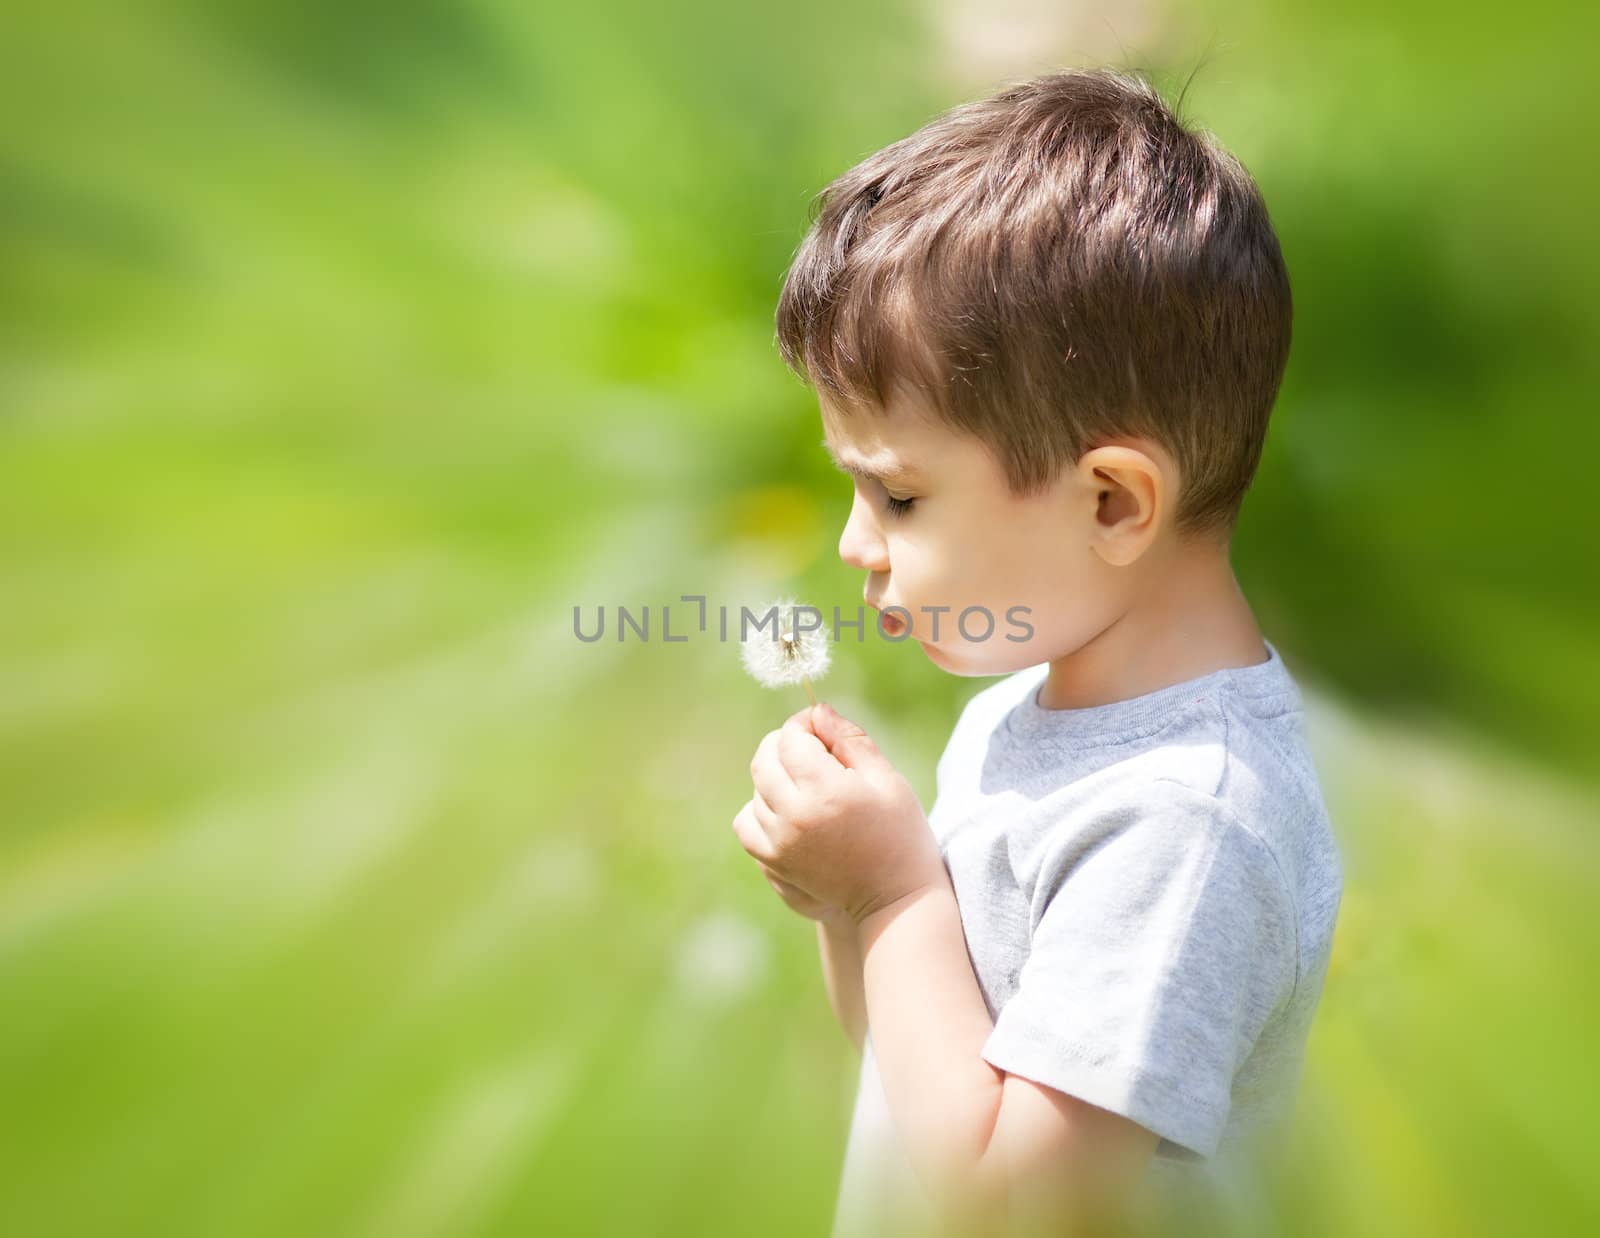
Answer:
(893, 504)
(897, 506)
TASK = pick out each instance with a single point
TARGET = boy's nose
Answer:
(861, 544)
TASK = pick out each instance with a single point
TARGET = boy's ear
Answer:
(1130, 485)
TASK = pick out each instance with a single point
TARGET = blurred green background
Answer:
(345, 348)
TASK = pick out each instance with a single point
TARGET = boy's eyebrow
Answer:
(886, 474)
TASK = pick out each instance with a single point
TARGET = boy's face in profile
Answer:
(965, 541)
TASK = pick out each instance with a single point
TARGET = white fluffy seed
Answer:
(789, 655)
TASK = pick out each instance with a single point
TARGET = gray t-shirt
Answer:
(1148, 890)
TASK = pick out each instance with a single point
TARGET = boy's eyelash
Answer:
(895, 507)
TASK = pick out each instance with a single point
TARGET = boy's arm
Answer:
(839, 943)
(984, 1143)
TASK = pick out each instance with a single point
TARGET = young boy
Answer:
(1046, 332)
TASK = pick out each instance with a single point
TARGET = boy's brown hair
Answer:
(1057, 264)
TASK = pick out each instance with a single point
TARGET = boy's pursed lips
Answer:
(893, 625)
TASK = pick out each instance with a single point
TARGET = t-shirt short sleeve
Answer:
(1163, 939)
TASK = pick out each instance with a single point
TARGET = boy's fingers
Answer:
(763, 811)
(803, 717)
(802, 752)
(791, 894)
(770, 777)
(751, 836)
(846, 742)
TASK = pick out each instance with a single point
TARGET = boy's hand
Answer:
(801, 902)
(834, 820)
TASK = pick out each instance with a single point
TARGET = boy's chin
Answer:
(975, 660)
(958, 660)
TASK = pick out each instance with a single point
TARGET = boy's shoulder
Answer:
(1233, 740)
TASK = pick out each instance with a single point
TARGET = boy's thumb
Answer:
(851, 746)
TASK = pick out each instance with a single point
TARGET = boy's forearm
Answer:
(929, 1025)
(839, 943)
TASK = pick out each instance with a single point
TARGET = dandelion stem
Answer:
(807, 684)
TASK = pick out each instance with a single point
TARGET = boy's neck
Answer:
(1191, 620)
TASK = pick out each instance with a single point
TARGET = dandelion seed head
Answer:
(792, 654)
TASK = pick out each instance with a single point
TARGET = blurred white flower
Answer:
(791, 654)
